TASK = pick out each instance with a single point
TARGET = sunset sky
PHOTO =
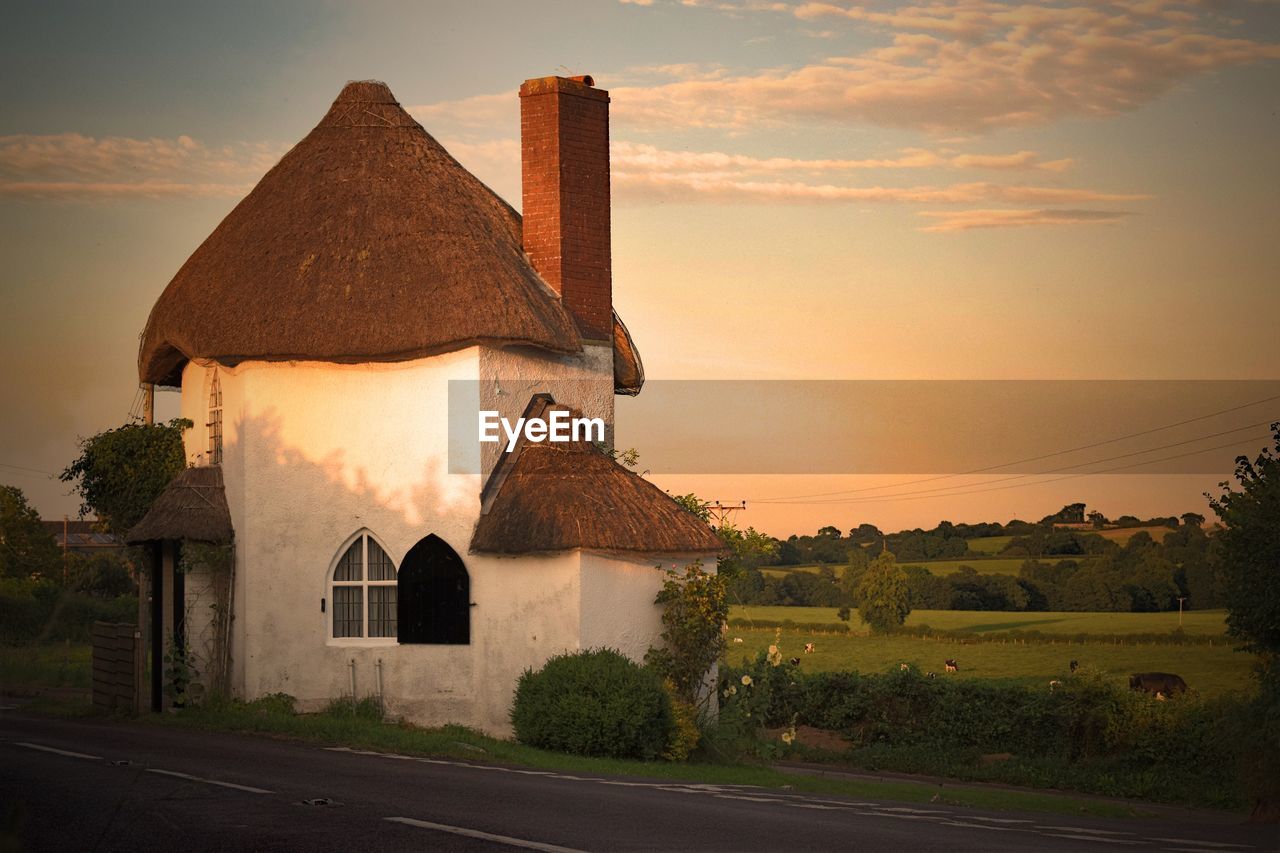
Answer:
(952, 190)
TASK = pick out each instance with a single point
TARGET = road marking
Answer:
(189, 777)
(1086, 830)
(1214, 844)
(1095, 838)
(486, 836)
(68, 753)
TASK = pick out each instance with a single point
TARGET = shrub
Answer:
(34, 611)
(595, 702)
(694, 614)
(685, 734)
(1088, 733)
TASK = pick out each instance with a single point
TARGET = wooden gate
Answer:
(117, 666)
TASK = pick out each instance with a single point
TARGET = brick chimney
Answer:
(564, 144)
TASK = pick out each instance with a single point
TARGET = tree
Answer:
(26, 548)
(120, 472)
(1249, 574)
(1250, 553)
(1192, 519)
(883, 598)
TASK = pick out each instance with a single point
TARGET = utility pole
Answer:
(721, 512)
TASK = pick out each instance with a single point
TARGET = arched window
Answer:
(214, 424)
(364, 590)
(435, 595)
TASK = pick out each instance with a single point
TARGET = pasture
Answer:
(989, 544)
(1205, 623)
(1210, 670)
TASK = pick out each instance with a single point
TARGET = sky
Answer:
(949, 190)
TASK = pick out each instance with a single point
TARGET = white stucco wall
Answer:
(509, 377)
(315, 452)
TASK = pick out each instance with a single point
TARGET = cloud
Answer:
(71, 165)
(85, 190)
(479, 112)
(644, 173)
(640, 156)
(959, 65)
(967, 220)
(693, 187)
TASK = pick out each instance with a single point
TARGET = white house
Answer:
(314, 335)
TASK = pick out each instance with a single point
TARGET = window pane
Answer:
(348, 611)
(380, 566)
(382, 610)
(348, 568)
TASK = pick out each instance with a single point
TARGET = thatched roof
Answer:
(628, 370)
(366, 242)
(545, 497)
(193, 506)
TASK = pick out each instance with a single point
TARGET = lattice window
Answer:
(364, 591)
(214, 424)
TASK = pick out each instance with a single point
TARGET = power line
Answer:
(1028, 459)
(24, 468)
(1069, 467)
(917, 495)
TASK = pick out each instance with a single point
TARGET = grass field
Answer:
(53, 665)
(1211, 669)
(989, 544)
(1207, 623)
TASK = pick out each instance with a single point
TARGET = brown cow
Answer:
(1159, 684)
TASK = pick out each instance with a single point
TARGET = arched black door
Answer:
(433, 604)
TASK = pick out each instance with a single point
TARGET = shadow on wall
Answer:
(293, 510)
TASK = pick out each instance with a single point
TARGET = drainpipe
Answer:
(382, 707)
(352, 666)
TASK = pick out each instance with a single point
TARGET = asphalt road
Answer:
(84, 786)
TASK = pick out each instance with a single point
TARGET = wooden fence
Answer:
(117, 666)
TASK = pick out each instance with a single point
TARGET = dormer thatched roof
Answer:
(366, 242)
(544, 498)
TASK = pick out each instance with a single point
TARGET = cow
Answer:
(1158, 684)
(737, 639)
(951, 665)
(1053, 684)
(931, 675)
(903, 667)
(808, 648)
(1075, 664)
(795, 661)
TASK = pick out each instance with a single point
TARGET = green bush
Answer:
(1086, 733)
(594, 702)
(40, 611)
